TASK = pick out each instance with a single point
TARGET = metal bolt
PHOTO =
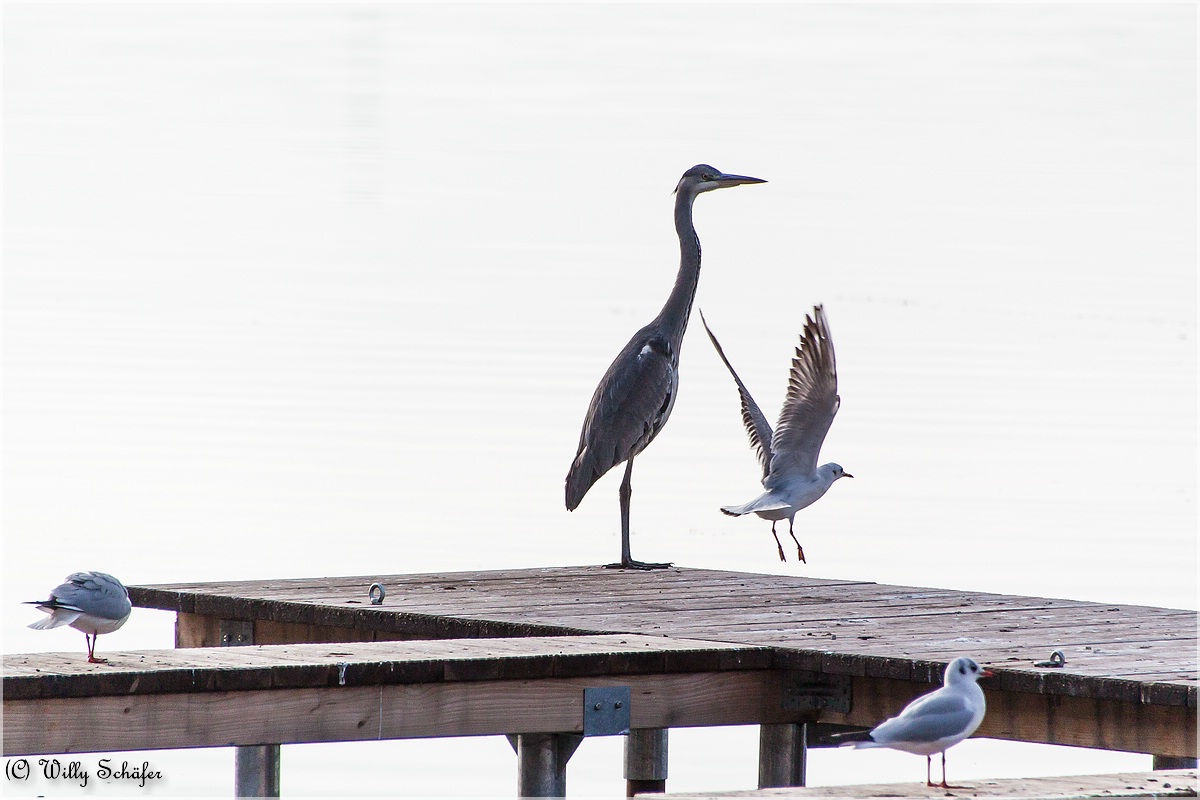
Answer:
(617, 704)
(597, 707)
(376, 600)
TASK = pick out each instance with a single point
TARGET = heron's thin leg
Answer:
(777, 544)
(791, 522)
(627, 561)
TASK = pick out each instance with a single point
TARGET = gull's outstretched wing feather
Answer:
(811, 404)
(757, 427)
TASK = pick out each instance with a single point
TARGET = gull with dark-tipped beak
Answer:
(91, 602)
(788, 455)
(934, 722)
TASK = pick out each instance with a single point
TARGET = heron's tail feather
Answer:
(580, 478)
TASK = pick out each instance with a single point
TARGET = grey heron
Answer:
(788, 455)
(934, 722)
(91, 602)
(637, 393)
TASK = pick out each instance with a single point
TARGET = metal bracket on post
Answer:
(815, 691)
(236, 632)
(606, 711)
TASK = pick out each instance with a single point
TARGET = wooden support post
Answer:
(782, 755)
(645, 761)
(1174, 762)
(542, 762)
(256, 771)
(255, 767)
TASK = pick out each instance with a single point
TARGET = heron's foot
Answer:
(93, 660)
(631, 564)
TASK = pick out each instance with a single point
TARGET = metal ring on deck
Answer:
(376, 600)
(1057, 659)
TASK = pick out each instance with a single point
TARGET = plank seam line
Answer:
(379, 735)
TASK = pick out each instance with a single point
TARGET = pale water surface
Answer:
(297, 290)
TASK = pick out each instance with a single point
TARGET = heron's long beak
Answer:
(724, 180)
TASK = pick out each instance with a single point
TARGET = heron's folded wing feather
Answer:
(811, 404)
(627, 411)
(757, 427)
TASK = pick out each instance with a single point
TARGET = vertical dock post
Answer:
(256, 771)
(542, 762)
(645, 761)
(782, 755)
(255, 767)
(1174, 762)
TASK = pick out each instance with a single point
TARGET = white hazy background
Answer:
(306, 290)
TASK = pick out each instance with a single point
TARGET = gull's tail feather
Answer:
(57, 618)
(856, 738)
(764, 503)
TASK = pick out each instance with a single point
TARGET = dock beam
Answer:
(1174, 762)
(645, 761)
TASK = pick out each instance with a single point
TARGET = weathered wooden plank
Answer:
(263, 667)
(466, 708)
(1169, 783)
(355, 713)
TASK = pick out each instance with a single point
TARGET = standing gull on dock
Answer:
(636, 394)
(92, 602)
(789, 454)
(933, 722)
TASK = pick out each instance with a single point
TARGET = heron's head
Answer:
(703, 178)
(965, 670)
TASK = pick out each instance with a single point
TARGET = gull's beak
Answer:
(987, 673)
(724, 180)
(847, 475)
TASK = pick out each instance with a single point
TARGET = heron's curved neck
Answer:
(674, 315)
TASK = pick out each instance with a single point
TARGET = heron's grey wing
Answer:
(927, 719)
(811, 404)
(757, 427)
(95, 593)
(629, 408)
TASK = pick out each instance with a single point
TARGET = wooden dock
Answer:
(1171, 783)
(513, 651)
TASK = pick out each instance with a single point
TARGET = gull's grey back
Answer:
(95, 593)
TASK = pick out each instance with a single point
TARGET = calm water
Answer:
(324, 290)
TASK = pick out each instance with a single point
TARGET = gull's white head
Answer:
(964, 670)
(837, 472)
